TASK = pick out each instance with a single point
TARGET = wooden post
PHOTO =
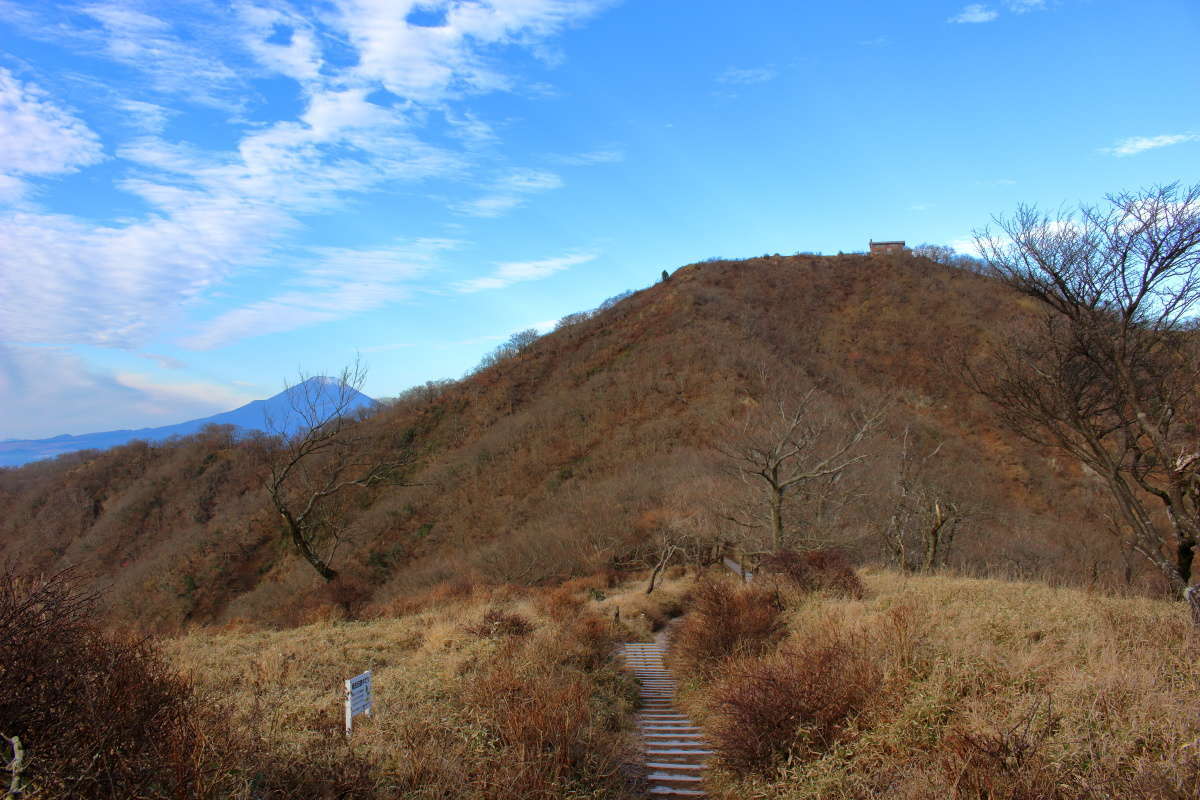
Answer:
(1192, 593)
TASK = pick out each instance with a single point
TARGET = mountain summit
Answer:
(278, 412)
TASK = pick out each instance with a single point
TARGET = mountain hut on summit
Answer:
(884, 248)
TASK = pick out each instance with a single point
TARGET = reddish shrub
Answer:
(726, 619)
(97, 716)
(827, 571)
(792, 703)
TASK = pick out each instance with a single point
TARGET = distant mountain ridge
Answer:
(251, 417)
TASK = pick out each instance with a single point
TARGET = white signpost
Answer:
(358, 698)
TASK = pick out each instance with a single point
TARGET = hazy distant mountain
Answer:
(250, 417)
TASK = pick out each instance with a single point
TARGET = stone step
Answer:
(668, 777)
(671, 790)
(679, 766)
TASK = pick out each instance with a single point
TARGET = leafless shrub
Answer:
(97, 716)
(791, 703)
(724, 620)
(827, 571)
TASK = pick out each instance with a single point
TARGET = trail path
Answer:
(674, 749)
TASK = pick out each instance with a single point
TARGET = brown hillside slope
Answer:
(563, 459)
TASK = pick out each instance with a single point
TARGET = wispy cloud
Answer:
(432, 63)
(166, 362)
(745, 77)
(1140, 144)
(173, 62)
(508, 192)
(609, 155)
(38, 137)
(216, 212)
(979, 12)
(337, 283)
(510, 272)
(85, 399)
(975, 13)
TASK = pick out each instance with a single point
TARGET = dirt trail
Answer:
(674, 750)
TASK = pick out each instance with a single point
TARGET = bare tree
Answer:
(324, 453)
(927, 515)
(788, 447)
(1109, 373)
(942, 254)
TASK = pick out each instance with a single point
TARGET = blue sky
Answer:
(198, 198)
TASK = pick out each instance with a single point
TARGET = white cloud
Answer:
(339, 282)
(744, 77)
(37, 137)
(509, 192)
(510, 272)
(174, 63)
(85, 400)
(975, 12)
(166, 362)
(430, 63)
(149, 118)
(169, 399)
(217, 212)
(610, 155)
(299, 57)
(1139, 144)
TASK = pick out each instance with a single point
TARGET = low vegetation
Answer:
(949, 687)
(480, 692)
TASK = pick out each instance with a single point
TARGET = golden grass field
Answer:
(961, 687)
(479, 693)
(980, 688)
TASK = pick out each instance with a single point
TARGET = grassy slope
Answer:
(464, 707)
(981, 689)
(990, 688)
(557, 461)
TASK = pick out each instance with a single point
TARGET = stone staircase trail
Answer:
(673, 747)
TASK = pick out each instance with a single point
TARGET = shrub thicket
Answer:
(726, 619)
(827, 571)
(98, 716)
(793, 703)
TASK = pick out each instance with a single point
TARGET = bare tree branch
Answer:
(323, 453)
(1109, 376)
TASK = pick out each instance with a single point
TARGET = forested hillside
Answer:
(602, 445)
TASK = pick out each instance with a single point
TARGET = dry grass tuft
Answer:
(497, 623)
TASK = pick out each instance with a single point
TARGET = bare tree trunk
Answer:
(302, 544)
(662, 562)
(776, 520)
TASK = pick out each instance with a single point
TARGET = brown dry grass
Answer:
(984, 689)
(481, 693)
